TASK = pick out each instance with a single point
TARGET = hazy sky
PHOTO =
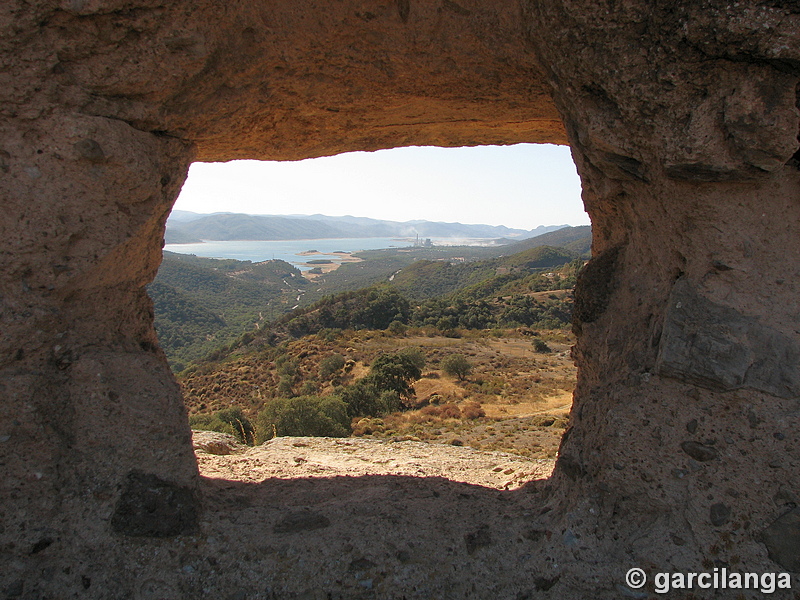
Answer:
(520, 186)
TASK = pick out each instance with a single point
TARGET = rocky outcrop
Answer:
(683, 121)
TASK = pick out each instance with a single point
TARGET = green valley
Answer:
(202, 303)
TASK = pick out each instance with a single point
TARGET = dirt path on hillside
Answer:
(559, 405)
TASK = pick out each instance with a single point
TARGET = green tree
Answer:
(303, 416)
(364, 399)
(361, 399)
(389, 402)
(397, 328)
(446, 323)
(396, 372)
(285, 388)
(287, 366)
(309, 388)
(456, 365)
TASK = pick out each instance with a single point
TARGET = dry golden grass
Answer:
(524, 397)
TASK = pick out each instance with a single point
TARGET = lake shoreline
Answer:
(294, 251)
(291, 251)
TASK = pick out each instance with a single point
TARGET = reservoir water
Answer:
(288, 250)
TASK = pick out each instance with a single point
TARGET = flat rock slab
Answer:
(303, 457)
(782, 539)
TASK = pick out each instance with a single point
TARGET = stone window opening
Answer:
(528, 414)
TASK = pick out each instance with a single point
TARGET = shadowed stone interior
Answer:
(152, 507)
(683, 452)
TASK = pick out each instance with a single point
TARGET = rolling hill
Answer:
(574, 239)
(427, 279)
(202, 303)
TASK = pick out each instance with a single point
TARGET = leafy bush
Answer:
(368, 426)
(285, 388)
(446, 324)
(309, 388)
(397, 328)
(303, 416)
(415, 355)
(240, 423)
(456, 365)
(472, 410)
(231, 421)
(389, 402)
(206, 422)
(287, 366)
(329, 335)
(360, 399)
(365, 399)
(445, 411)
(539, 345)
(330, 365)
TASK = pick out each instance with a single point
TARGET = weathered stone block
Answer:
(782, 539)
(716, 347)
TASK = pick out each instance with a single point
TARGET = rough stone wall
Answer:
(84, 205)
(683, 121)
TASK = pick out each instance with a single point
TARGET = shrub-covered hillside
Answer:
(448, 345)
(427, 279)
(514, 298)
(201, 303)
(206, 307)
(504, 390)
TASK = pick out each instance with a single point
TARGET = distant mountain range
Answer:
(185, 227)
